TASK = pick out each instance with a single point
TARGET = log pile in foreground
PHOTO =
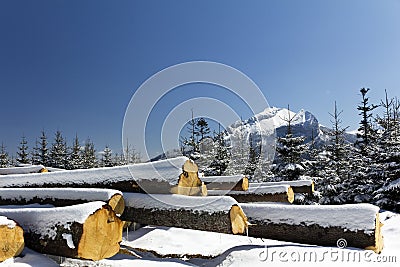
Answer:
(11, 239)
(322, 225)
(298, 186)
(274, 193)
(61, 197)
(216, 214)
(88, 231)
(234, 182)
(151, 177)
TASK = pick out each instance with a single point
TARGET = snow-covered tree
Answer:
(89, 155)
(58, 151)
(75, 158)
(106, 157)
(239, 149)
(35, 153)
(4, 159)
(43, 152)
(290, 150)
(22, 153)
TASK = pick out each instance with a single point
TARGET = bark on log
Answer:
(151, 177)
(275, 193)
(234, 182)
(88, 231)
(299, 186)
(217, 214)
(11, 239)
(323, 225)
(61, 197)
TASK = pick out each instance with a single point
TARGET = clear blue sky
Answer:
(74, 65)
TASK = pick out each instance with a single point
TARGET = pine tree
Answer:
(35, 154)
(89, 155)
(58, 152)
(75, 158)
(106, 158)
(4, 159)
(367, 133)
(239, 149)
(43, 150)
(290, 150)
(201, 129)
(22, 154)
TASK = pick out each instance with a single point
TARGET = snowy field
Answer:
(164, 246)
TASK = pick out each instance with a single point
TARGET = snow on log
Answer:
(61, 197)
(299, 186)
(11, 239)
(217, 214)
(234, 182)
(273, 193)
(88, 231)
(151, 177)
(357, 224)
(23, 170)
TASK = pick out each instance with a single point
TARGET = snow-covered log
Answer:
(61, 197)
(273, 193)
(11, 238)
(234, 182)
(88, 231)
(217, 214)
(298, 186)
(23, 170)
(353, 225)
(151, 177)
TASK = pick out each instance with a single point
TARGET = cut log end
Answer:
(102, 233)
(117, 203)
(245, 184)
(11, 241)
(290, 195)
(238, 220)
(190, 166)
(377, 248)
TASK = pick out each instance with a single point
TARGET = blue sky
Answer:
(74, 65)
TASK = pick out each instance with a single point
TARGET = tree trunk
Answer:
(353, 225)
(61, 197)
(234, 182)
(88, 231)
(152, 177)
(217, 214)
(11, 239)
(299, 186)
(275, 193)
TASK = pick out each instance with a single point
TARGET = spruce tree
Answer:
(35, 154)
(106, 158)
(75, 157)
(22, 153)
(58, 152)
(201, 129)
(367, 133)
(43, 150)
(4, 159)
(290, 150)
(89, 155)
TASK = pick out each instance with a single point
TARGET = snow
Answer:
(222, 179)
(216, 249)
(209, 204)
(291, 183)
(21, 170)
(350, 216)
(163, 170)
(92, 194)
(264, 189)
(5, 221)
(44, 221)
(68, 238)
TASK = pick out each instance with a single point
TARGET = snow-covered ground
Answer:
(164, 246)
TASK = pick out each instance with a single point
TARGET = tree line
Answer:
(59, 155)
